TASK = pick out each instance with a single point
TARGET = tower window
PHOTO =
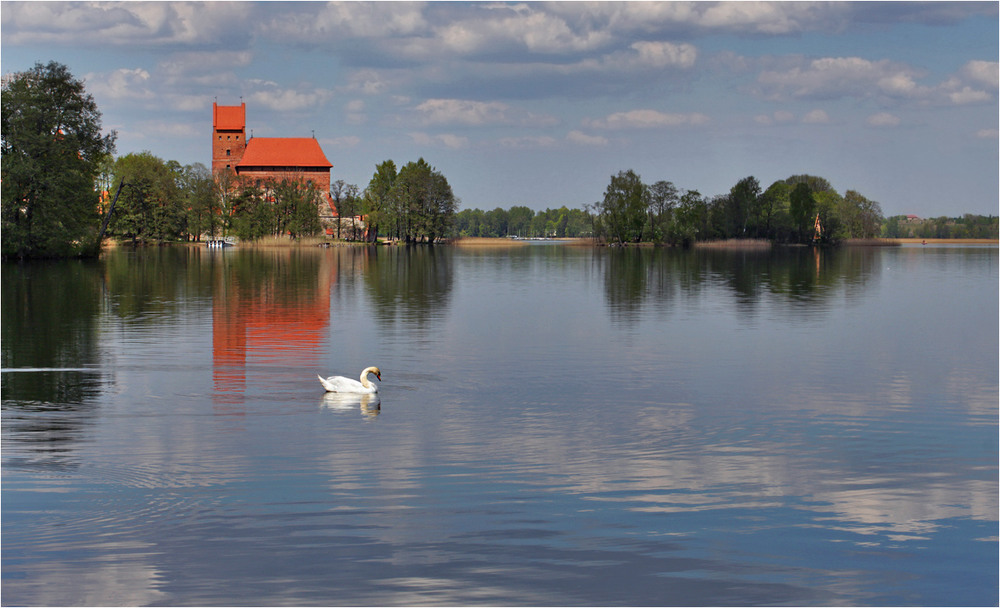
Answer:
(227, 152)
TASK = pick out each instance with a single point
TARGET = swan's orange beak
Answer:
(379, 376)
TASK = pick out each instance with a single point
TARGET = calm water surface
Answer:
(556, 426)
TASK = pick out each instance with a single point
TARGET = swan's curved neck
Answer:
(365, 382)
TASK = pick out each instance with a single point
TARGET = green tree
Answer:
(743, 209)
(349, 204)
(663, 197)
(624, 208)
(200, 203)
(862, 217)
(149, 208)
(828, 205)
(295, 209)
(225, 187)
(816, 184)
(426, 202)
(519, 220)
(250, 212)
(52, 153)
(801, 208)
(378, 198)
(774, 204)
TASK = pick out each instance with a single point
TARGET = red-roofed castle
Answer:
(262, 159)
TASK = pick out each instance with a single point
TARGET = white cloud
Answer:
(447, 140)
(171, 129)
(121, 84)
(530, 141)
(968, 95)
(783, 116)
(664, 54)
(988, 133)
(323, 22)
(124, 23)
(644, 54)
(834, 77)
(347, 141)
(646, 119)
(528, 27)
(983, 72)
(355, 112)
(742, 17)
(883, 119)
(816, 117)
(477, 113)
(460, 111)
(367, 82)
(581, 138)
(182, 65)
(289, 100)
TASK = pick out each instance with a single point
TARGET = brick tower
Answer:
(229, 137)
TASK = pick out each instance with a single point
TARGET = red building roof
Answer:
(229, 117)
(284, 152)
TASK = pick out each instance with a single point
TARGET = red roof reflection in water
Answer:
(274, 333)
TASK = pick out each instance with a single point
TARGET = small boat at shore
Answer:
(220, 243)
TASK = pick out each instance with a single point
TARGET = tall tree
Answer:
(149, 208)
(427, 201)
(624, 208)
(862, 217)
(52, 151)
(378, 198)
(519, 220)
(801, 207)
(663, 197)
(200, 204)
(744, 208)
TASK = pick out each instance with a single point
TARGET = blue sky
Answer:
(538, 104)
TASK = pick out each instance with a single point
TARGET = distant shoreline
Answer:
(501, 242)
(909, 241)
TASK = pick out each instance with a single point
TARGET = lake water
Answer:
(556, 425)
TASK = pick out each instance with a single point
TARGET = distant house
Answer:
(264, 159)
(912, 218)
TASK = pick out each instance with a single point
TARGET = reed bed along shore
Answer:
(734, 244)
(478, 242)
(872, 242)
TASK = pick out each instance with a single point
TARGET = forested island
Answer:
(64, 192)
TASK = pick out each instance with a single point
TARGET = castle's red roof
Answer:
(284, 152)
(229, 117)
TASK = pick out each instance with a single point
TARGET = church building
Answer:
(262, 159)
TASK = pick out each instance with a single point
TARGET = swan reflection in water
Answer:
(370, 404)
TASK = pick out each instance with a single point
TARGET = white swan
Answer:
(340, 384)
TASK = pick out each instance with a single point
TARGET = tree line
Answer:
(60, 178)
(966, 227)
(521, 221)
(799, 209)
